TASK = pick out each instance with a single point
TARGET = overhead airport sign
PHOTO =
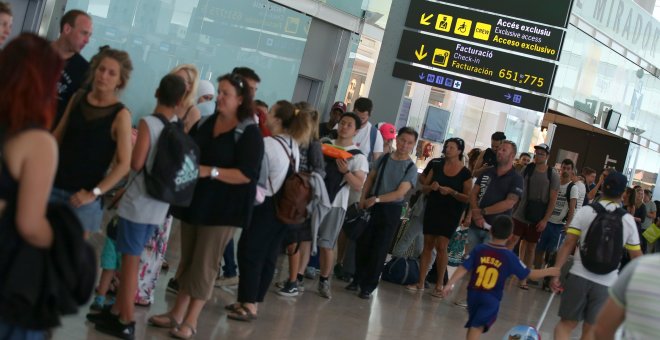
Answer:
(550, 12)
(477, 61)
(471, 87)
(489, 29)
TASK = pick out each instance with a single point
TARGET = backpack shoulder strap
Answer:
(355, 152)
(379, 173)
(240, 128)
(292, 162)
(568, 191)
(373, 136)
(161, 117)
(598, 208)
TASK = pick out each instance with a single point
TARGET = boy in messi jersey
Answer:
(491, 264)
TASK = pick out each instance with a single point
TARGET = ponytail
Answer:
(296, 122)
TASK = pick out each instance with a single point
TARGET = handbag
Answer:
(356, 221)
(652, 233)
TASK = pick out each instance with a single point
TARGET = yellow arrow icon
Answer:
(420, 54)
(425, 20)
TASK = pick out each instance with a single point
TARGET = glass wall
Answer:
(445, 114)
(592, 71)
(215, 35)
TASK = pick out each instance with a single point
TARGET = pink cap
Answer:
(388, 131)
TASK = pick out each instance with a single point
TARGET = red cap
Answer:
(339, 106)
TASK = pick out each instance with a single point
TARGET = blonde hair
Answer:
(295, 122)
(193, 78)
(313, 115)
(121, 57)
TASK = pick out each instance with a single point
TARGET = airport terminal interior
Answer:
(574, 81)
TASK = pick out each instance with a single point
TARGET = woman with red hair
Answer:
(28, 160)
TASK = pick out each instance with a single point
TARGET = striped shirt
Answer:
(636, 290)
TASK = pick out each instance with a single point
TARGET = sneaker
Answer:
(173, 286)
(226, 281)
(103, 316)
(290, 289)
(353, 286)
(310, 273)
(301, 286)
(324, 289)
(117, 329)
(97, 305)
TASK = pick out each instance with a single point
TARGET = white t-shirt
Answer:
(363, 140)
(562, 204)
(580, 226)
(582, 192)
(356, 163)
(278, 160)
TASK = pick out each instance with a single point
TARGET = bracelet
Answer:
(454, 193)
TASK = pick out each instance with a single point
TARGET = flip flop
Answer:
(170, 321)
(178, 334)
(524, 287)
(242, 314)
(233, 307)
(437, 294)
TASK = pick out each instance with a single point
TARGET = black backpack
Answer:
(602, 248)
(334, 180)
(175, 170)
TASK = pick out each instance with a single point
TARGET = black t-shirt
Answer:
(494, 188)
(73, 75)
(216, 203)
(446, 207)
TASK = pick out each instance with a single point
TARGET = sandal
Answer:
(163, 321)
(242, 314)
(524, 287)
(178, 333)
(437, 293)
(234, 307)
(142, 303)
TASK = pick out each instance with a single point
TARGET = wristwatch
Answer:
(214, 172)
(377, 199)
(97, 192)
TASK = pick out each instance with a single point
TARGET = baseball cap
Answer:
(544, 147)
(339, 106)
(387, 130)
(614, 184)
(204, 88)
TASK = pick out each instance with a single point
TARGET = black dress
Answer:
(443, 212)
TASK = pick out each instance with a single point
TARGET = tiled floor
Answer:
(392, 313)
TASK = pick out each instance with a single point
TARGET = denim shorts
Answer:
(110, 257)
(476, 236)
(90, 215)
(133, 237)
